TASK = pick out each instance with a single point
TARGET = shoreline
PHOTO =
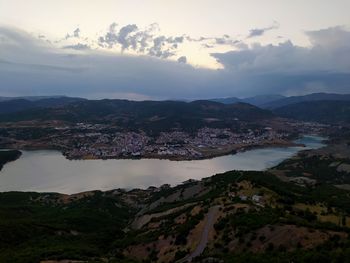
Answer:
(231, 150)
(189, 179)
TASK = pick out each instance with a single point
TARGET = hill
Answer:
(256, 100)
(298, 211)
(310, 97)
(318, 111)
(152, 114)
(10, 105)
(262, 99)
(229, 100)
(31, 98)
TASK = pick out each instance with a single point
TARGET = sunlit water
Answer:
(50, 171)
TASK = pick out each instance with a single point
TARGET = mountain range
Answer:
(321, 107)
(18, 104)
(324, 111)
(306, 98)
(150, 116)
(256, 100)
(31, 98)
(274, 101)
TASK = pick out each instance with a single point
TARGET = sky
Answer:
(184, 49)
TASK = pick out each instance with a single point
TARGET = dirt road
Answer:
(204, 237)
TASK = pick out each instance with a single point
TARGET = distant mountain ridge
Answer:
(17, 104)
(272, 101)
(249, 109)
(324, 111)
(318, 107)
(310, 97)
(229, 100)
(263, 99)
(147, 115)
(32, 98)
(255, 100)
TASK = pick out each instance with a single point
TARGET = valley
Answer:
(237, 216)
(174, 131)
(117, 129)
(235, 208)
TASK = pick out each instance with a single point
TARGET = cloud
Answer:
(334, 37)
(75, 34)
(211, 42)
(285, 67)
(257, 32)
(149, 41)
(131, 38)
(326, 54)
(78, 46)
(31, 66)
(123, 37)
(142, 41)
(182, 59)
(157, 49)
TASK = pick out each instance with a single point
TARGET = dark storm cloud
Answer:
(330, 51)
(30, 66)
(287, 68)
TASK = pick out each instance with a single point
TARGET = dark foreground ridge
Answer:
(8, 156)
(298, 211)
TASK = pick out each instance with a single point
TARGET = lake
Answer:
(50, 171)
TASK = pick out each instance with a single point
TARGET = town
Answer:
(89, 141)
(177, 144)
(101, 141)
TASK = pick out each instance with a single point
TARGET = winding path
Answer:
(204, 237)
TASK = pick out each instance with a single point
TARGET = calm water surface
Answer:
(50, 171)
